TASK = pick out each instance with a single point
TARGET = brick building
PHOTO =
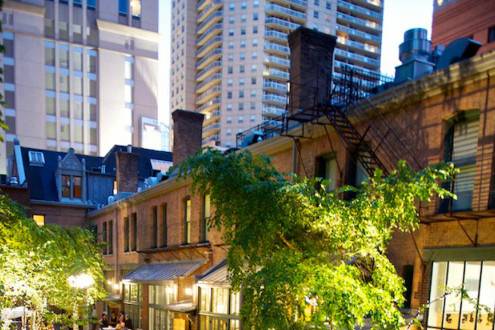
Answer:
(161, 242)
(453, 19)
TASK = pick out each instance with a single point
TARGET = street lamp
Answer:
(79, 281)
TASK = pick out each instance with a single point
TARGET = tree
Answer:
(305, 257)
(36, 263)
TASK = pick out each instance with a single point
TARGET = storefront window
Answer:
(221, 301)
(471, 311)
(132, 303)
(159, 297)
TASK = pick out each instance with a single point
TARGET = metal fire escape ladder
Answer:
(355, 142)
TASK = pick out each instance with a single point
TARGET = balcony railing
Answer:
(216, 76)
(208, 9)
(209, 57)
(273, 47)
(294, 14)
(209, 94)
(360, 10)
(279, 74)
(282, 100)
(359, 21)
(273, 85)
(358, 33)
(217, 16)
(272, 110)
(210, 43)
(215, 102)
(277, 60)
(358, 45)
(281, 23)
(276, 35)
(211, 32)
(356, 57)
(217, 65)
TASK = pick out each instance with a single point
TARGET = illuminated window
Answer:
(71, 186)
(39, 219)
(136, 8)
(470, 305)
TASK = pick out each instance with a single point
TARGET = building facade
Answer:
(453, 19)
(446, 116)
(81, 74)
(230, 59)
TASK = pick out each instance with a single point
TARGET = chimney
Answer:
(126, 172)
(311, 64)
(188, 131)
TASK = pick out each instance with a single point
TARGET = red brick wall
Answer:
(464, 18)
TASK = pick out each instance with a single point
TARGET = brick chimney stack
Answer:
(188, 131)
(126, 170)
(311, 64)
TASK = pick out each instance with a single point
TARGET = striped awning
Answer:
(163, 271)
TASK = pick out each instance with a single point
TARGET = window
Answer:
(39, 219)
(491, 34)
(187, 221)
(110, 237)
(316, 14)
(134, 236)
(328, 5)
(326, 168)
(126, 234)
(221, 301)
(164, 225)
(104, 237)
(471, 310)
(36, 157)
(63, 53)
(123, 7)
(71, 186)
(154, 227)
(49, 53)
(460, 147)
(206, 217)
(136, 8)
(50, 79)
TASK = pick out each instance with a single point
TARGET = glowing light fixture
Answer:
(81, 281)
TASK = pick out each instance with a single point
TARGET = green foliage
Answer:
(37, 261)
(304, 257)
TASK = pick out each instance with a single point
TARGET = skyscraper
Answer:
(230, 58)
(81, 74)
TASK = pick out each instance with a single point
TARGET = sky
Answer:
(399, 16)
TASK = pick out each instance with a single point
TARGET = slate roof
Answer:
(41, 179)
(163, 271)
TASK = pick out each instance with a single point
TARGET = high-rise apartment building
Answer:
(453, 19)
(230, 58)
(81, 74)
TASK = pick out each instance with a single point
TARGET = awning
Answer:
(113, 297)
(182, 307)
(163, 271)
(216, 275)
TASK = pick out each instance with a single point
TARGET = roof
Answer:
(217, 274)
(163, 271)
(41, 178)
(146, 156)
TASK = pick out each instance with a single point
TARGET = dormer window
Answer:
(71, 186)
(36, 158)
